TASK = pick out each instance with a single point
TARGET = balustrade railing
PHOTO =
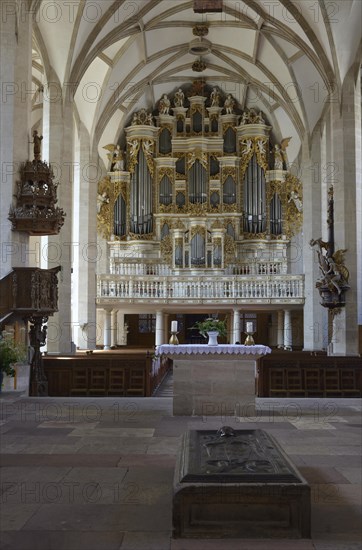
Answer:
(200, 288)
(252, 267)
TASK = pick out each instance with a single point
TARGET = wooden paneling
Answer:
(100, 375)
(299, 374)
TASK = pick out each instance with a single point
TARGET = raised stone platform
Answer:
(238, 484)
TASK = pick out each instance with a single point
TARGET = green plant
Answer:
(210, 325)
(10, 353)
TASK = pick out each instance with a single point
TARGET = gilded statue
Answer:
(215, 98)
(335, 274)
(179, 98)
(115, 156)
(229, 105)
(280, 153)
(164, 105)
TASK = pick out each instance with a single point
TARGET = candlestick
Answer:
(249, 331)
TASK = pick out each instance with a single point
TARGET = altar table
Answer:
(213, 380)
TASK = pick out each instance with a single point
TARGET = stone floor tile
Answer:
(241, 544)
(354, 475)
(164, 445)
(15, 515)
(323, 475)
(147, 460)
(336, 545)
(334, 518)
(54, 460)
(99, 517)
(147, 541)
(61, 540)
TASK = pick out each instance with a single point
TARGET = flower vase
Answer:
(213, 338)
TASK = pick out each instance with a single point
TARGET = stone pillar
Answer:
(288, 330)
(280, 329)
(114, 328)
(58, 150)
(167, 327)
(15, 125)
(159, 336)
(107, 329)
(121, 332)
(346, 124)
(236, 326)
(87, 252)
(314, 316)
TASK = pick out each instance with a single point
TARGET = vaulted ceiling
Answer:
(283, 57)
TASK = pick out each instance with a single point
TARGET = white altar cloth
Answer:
(204, 349)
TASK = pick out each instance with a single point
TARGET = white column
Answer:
(114, 328)
(107, 329)
(121, 333)
(312, 178)
(167, 327)
(280, 329)
(159, 329)
(58, 150)
(287, 330)
(236, 326)
(86, 255)
(346, 126)
(15, 125)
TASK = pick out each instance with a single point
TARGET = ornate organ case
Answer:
(201, 190)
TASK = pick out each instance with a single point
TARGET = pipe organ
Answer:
(201, 186)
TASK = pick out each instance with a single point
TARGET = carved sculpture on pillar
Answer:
(37, 339)
(37, 145)
(333, 282)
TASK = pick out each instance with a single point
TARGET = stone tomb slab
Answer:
(238, 484)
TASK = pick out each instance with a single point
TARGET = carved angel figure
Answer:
(148, 146)
(247, 146)
(101, 200)
(335, 273)
(115, 156)
(296, 199)
(261, 146)
(133, 147)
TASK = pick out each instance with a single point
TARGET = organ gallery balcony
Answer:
(200, 289)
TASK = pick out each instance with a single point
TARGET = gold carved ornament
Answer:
(170, 173)
(167, 208)
(105, 206)
(248, 147)
(229, 250)
(166, 249)
(108, 193)
(226, 126)
(197, 155)
(148, 150)
(133, 147)
(226, 172)
(293, 205)
(198, 230)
